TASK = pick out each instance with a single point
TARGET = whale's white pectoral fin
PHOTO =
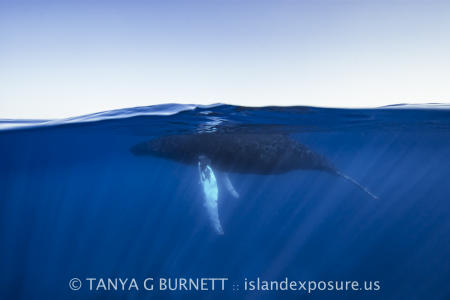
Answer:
(211, 193)
(230, 186)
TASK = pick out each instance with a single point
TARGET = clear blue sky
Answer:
(66, 58)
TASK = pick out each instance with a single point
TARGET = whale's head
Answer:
(154, 147)
(169, 147)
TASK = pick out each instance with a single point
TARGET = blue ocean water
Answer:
(76, 203)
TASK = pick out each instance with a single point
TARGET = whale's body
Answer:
(238, 153)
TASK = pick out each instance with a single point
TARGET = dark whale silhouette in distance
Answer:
(255, 153)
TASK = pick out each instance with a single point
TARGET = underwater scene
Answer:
(218, 202)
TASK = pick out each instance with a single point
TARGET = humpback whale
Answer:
(254, 153)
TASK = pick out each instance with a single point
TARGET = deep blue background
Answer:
(74, 202)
